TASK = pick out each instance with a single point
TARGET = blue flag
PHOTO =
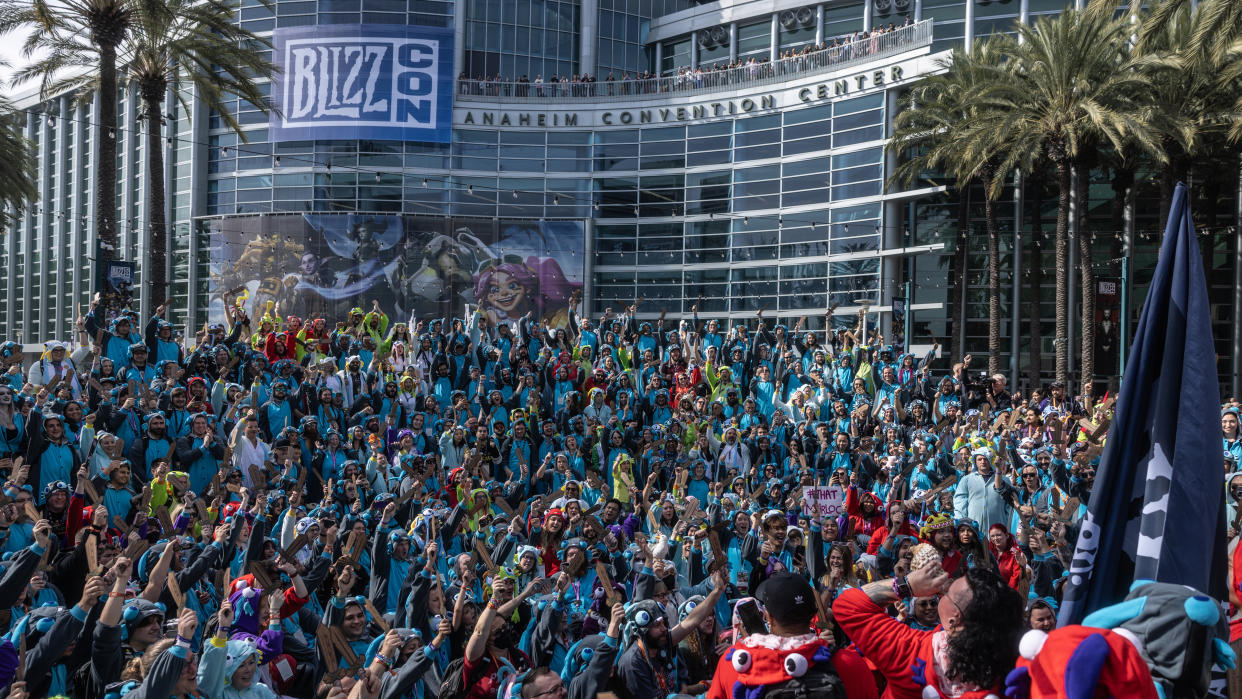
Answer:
(1157, 510)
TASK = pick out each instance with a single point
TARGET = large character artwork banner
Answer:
(324, 265)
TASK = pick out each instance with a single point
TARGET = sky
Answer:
(10, 53)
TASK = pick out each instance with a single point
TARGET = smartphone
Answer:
(752, 618)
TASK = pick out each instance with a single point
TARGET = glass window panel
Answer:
(858, 104)
(670, 133)
(755, 138)
(563, 165)
(801, 182)
(851, 191)
(806, 167)
(617, 136)
(771, 121)
(857, 120)
(708, 144)
(709, 158)
(864, 156)
(856, 174)
(814, 128)
(803, 116)
(569, 137)
(753, 174)
(715, 128)
(662, 162)
(849, 138)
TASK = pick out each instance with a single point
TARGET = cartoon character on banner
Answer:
(439, 272)
(509, 287)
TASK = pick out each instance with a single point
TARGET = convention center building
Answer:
(727, 156)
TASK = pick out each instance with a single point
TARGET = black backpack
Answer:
(454, 684)
(819, 682)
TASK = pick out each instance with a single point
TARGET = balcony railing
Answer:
(865, 50)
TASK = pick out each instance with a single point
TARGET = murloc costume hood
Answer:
(245, 601)
(238, 652)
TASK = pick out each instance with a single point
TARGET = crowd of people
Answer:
(463, 507)
(814, 56)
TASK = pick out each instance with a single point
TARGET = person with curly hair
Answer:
(966, 657)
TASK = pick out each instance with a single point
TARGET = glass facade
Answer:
(522, 38)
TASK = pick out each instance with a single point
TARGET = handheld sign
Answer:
(174, 589)
(824, 501)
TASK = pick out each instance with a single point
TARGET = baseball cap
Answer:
(788, 598)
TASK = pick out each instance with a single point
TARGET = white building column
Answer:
(588, 266)
(587, 36)
(969, 26)
(867, 15)
(694, 49)
(459, 39)
(775, 34)
(198, 199)
(77, 211)
(819, 24)
(1024, 12)
(890, 231)
(918, 10)
(732, 41)
(60, 204)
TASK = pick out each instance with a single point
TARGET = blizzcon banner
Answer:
(365, 81)
(322, 265)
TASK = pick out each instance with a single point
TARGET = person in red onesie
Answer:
(791, 651)
(967, 657)
(895, 522)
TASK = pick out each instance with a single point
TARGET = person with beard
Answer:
(966, 657)
(50, 455)
(153, 445)
(199, 453)
(648, 667)
(492, 650)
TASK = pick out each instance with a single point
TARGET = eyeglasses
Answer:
(558, 689)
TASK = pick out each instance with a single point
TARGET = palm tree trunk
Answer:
(958, 336)
(105, 164)
(1087, 349)
(1035, 280)
(1062, 242)
(994, 306)
(153, 98)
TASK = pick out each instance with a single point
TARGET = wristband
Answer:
(118, 595)
(902, 588)
(225, 630)
(183, 641)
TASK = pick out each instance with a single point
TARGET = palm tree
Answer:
(77, 33)
(1192, 91)
(945, 127)
(182, 45)
(1074, 87)
(17, 163)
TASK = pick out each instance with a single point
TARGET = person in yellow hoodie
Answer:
(375, 324)
(622, 477)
